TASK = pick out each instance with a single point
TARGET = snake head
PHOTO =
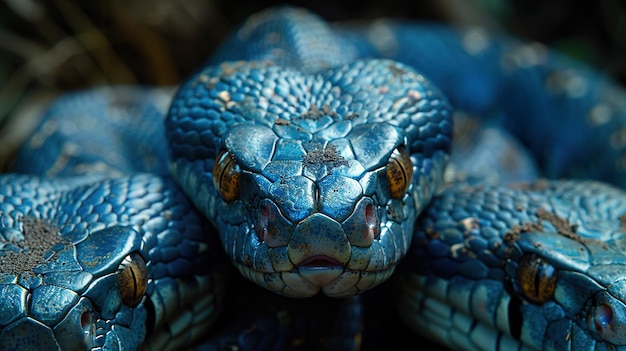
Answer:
(102, 264)
(64, 300)
(583, 282)
(533, 266)
(313, 180)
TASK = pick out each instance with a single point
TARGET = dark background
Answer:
(47, 47)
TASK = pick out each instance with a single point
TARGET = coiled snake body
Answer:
(306, 153)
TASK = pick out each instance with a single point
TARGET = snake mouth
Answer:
(320, 270)
(321, 261)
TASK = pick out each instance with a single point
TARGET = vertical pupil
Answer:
(133, 279)
(536, 278)
(226, 176)
(399, 172)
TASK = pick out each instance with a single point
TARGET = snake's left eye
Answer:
(133, 279)
(226, 176)
(536, 278)
(399, 172)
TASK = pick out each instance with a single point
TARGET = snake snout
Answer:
(339, 250)
(319, 239)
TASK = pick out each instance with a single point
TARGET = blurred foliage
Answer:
(47, 47)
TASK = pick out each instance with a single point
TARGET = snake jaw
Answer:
(320, 270)
(320, 276)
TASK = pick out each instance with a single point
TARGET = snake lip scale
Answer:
(321, 261)
(319, 162)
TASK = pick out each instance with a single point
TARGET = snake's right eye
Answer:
(399, 173)
(133, 279)
(226, 176)
(536, 278)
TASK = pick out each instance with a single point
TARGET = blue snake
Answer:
(319, 161)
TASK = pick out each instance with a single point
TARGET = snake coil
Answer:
(313, 158)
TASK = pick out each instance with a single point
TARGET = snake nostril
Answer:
(607, 317)
(262, 222)
(268, 226)
(86, 322)
(602, 317)
(371, 220)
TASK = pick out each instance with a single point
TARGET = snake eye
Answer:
(399, 172)
(536, 278)
(226, 176)
(133, 279)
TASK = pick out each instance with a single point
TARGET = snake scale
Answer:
(318, 160)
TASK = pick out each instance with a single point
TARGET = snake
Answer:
(310, 173)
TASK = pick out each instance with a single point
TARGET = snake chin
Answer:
(310, 280)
